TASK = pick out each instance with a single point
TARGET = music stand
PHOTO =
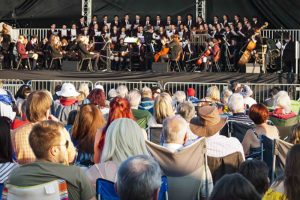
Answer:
(130, 40)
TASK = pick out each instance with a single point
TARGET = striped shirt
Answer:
(5, 170)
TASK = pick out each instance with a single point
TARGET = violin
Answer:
(205, 54)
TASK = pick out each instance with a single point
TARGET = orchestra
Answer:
(159, 40)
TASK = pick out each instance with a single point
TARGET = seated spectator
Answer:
(7, 103)
(246, 92)
(67, 102)
(269, 102)
(212, 95)
(122, 91)
(259, 114)
(237, 107)
(295, 136)
(162, 109)
(147, 102)
(139, 177)
(187, 110)
(234, 187)
(224, 100)
(283, 107)
(208, 124)
(178, 98)
(124, 139)
(174, 133)
(155, 91)
(286, 187)
(6, 150)
(50, 164)
(112, 93)
(142, 116)
(22, 120)
(21, 95)
(37, 110)
(97, 97)
(119, 108)
(191, 95)
(88, 120)
(257, 173)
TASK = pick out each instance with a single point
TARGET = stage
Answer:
(203, 77)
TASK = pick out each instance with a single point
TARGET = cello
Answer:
(250, 47)
(164, 51)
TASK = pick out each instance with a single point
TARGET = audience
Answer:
(234, 187)
(139, 178)
(237, 107)
(147, 102)
(287, 186)
(142, 116)
(283, 107)
(178, 98)
(6, 150)
(97, 97)
(21, 95)
(38, 109)
(122, 91)
(295, 136)
(119, 108)
(124, 139)
(7, 103)
(208, 124)
(191, 95)
(256, 172)
(50, 165)
(88, 120)
(259, 114)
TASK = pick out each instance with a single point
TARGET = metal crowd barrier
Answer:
(41, 33)
(260, 91)
(107, 85)
(12, 85)
(51, 84)
(276, 33)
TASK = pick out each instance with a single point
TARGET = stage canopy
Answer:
(41, 13)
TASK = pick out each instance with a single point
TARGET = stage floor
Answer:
(205, 77)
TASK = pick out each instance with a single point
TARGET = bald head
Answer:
(174, 130)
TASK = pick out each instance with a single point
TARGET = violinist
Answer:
(123, 54)
(175, 47)
(83, 48)
(56, 49)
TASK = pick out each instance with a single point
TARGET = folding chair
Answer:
(55, 59)
(238, 129)
(21, 64)
(155, 134)
(1, 190)
(268, 155)
(54, 190)
(187, 171)
(175, 62)
(81, 61)
(105, 189)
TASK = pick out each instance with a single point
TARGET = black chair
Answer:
(268, 155)
(155, 134)
(20, 63)
(81, 61)
(238, 129)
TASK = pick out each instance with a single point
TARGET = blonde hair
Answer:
(37, 105)
(213, 93)
(124, 138)
(84, 87)
(282, 100)
(146, 92)
(163, 107)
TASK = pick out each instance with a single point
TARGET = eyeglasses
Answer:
(66, 144)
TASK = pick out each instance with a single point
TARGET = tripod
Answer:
(227, 54)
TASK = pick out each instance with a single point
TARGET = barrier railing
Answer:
(41, 33)
(51, 84)
(260, 91)
(107, 85)
(12, 85)
(276, 33)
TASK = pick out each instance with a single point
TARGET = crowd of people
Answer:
(225, 40)
(80, 135)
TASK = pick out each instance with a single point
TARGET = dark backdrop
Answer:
(40, 13)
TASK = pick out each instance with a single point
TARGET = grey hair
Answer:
(283, 100)
(174, 129)
(186, 110)
(179, 96)
(138, 178)
(124, 138)
(236, 103)
(122, 91)
(134, 97)
(225, 96)
(112, 93)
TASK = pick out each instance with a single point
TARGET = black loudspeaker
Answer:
(69, 65)
(159, 67)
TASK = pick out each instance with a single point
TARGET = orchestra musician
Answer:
(174, 48)
(21, 48)
(84, 47)
(56, 49)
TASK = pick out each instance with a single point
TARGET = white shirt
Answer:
(249, 101)
(220, 146)
(172, 146)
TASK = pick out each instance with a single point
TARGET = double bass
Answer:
(250, 47)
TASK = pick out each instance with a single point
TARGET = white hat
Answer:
(67, 90)
(99, 87)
